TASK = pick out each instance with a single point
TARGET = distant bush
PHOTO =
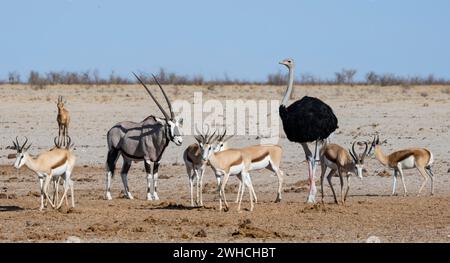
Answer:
(344, 77)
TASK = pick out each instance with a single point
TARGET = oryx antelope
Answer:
(340, 160)
(63, 120)
(49, 165)
(419, 158)
(143, 141)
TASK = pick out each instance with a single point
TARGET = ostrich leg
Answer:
(311, 170)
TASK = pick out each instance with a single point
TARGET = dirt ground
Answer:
(405, 116)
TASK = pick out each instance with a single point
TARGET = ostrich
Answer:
(304, 121)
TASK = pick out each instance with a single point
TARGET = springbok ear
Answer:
(383, 142)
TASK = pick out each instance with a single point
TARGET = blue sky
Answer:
(243, 39)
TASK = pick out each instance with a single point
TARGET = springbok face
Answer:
(175, 130)
(205, 142)
(375, 143)
(221, 142)
(175, 124)
(21, 155)
(358, 159)
(60, 103)
(289, 62)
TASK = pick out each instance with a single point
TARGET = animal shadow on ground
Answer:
(10, 208)
(175, 206)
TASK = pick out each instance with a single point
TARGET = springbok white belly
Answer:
(330, 164)
(59, 170)
(261, 164)
(408, 163)
(237, 169)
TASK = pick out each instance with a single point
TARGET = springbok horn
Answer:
(354, 153)
(351, 154)
(69, 140)
(26, 140)
(54, 141)
(153, 97)
(202, 137)
(365, 152)
(211, 137)
(172, 115)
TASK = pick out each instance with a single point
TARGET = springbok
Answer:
(419, 158)
(143, 141)
(340, 160)
(63, 120)
(240, 162)
(195, 166)
(48, 165)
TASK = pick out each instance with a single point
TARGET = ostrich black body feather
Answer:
(307, 120)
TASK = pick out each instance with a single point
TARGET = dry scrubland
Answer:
(405, 116)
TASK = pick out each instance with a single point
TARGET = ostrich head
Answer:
(289, 63)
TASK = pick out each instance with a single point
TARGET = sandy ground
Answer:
(405, 116)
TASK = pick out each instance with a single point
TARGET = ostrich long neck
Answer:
(287, 95)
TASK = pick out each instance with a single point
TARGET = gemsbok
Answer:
(142, 141)
(49, 165)
(340, 160)
(419, 158)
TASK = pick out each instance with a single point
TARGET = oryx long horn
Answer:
(172, 115)
(153, 97)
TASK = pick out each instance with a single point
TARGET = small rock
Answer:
(448, 171)
(73, 239)
(373, 239)
(201, 233)
(184, 236)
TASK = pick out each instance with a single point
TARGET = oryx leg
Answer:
(124, 174)
(111, 160)
(148, 171)
(155, 181)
